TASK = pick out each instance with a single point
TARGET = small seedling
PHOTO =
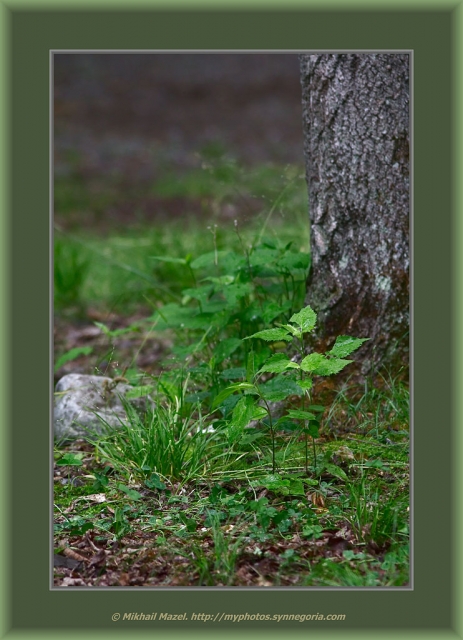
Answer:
(292, 378)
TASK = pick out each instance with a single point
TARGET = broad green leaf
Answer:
(259, 412)
(243, 411)
(313, 429)
(284, 424)
(130, 493)
(279, 388)
(268, 243)
(278, 347)
(300, 415)
(172, 315)
(272, 310)
(190, 523)
(225, 348)
(233, 262)
(235, 292)
(227, 406)
(329, 367)
(207, 259)
(293, 260)
(345, 345)
(306, 318)
(233, 373)
(305, 384)
(242, 415)
(71, 459)
(250, 436)
(285, 486)
(154, 482)
(312, 361)
(194, 398)
(239, 386)
(263, 257)
(216, 306)
(170, 389)
(294, 330)
(251, 366)
(278, 363)
(312, 531)
(250, 314)
(273, 482)
(316, 407)
(198, 321)
(271, 335)
(79, 531)
(296, 488)
(335, 471)
(310, 481)
(202, 293)
(72, 355)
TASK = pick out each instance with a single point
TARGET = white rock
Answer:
(80, 399)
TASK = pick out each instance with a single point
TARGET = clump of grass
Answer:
(217, 565)
(376, 518)
(162, 441)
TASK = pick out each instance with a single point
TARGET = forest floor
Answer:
(153, 166)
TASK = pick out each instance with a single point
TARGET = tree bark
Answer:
(356, 147)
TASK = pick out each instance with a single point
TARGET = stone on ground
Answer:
(83, 401)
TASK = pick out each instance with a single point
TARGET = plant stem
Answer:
(306, 454)
(272, 433)
(314, 455)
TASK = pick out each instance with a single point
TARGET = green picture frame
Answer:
(433, 31)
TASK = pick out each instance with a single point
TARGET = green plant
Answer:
(189, 473)
(241, 294)
(373, 516)
(72, 354)
(255, 401)
(163, 441)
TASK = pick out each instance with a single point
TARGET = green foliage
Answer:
(162, 442)
(190, 469)
(71, 459)
(345, 345)
(70, 272)
(72, 354)
(282, 386)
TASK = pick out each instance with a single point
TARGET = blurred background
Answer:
(158, 155)
(125, 120)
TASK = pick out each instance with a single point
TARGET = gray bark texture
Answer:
(356, 147)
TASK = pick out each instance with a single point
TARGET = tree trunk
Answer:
(356, 147)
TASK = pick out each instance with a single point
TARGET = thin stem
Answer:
(271, 432)
(245, 250)
(277, 201)
(314, 455)
(306, 454)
